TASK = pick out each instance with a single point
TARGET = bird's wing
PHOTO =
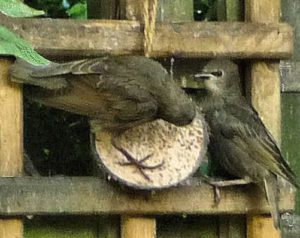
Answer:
(23, 72)
(244, 125)
(136, 103)
(53, 75)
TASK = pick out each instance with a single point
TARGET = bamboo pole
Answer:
(264, 89)
(11, 141)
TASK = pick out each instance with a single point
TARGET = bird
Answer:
(239, 141)
(116, 92)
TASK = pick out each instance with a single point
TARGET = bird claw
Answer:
(139, 164)
(217, 195)
(217, 184)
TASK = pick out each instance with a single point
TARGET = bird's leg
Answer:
(139, 164)
(217, 184)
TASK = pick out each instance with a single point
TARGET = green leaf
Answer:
(12, 44)
(78, 11)
(16, 8)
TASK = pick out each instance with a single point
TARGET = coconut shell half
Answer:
(174, 152)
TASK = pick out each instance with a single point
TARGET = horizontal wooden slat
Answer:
(88, 195)
(60, 37)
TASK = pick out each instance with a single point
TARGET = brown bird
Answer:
(119, 92)
(239, 141)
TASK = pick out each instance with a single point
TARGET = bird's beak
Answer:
(203, 76)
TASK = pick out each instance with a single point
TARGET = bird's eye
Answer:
(218, 73)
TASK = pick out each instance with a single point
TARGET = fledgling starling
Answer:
(119, 92)
(239, 141)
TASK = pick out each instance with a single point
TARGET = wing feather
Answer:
(244, 125)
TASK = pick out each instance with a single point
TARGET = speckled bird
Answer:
(118, 92)
(239, 142)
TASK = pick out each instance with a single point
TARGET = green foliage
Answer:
(12, 44)
(78, 11)
(16, 8)
(60, 8)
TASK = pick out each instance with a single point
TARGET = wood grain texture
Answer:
(265, 96)
(11, 124)
(81, 38)
(11, 228)
(137, 227)
(131, 10)
(167, 11)
(67, 195)
(223, 39)
(261, 227)
(11, 141)
(266, 11)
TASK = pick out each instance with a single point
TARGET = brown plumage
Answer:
(239, 141)
(119, 92)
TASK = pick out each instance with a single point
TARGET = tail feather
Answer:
(271, 189)
(21, 72)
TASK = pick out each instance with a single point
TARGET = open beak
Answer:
(203, 76)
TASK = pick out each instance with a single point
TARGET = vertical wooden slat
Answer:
(264, 87)
(102, 9)
(261, 227)
(232, 226)
(11, 141)
(137, 227)
(167, 11)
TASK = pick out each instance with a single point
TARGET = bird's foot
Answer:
(217, 184)
(227, 183)
(139, 164)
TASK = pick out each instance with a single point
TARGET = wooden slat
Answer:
(11, 228)
(11, 141)
(290, 76)
(265, 97)
(232, 226)
(105, 9)
(131, 10)
(264, 88)
(261, 227)
(59, 38)
(137, 227)
(167, 11)
(68, 195)
(11, 124)
(266, 11)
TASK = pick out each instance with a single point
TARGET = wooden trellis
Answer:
(56, 38)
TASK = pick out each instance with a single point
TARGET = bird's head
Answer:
(220, 77)
(175, 105)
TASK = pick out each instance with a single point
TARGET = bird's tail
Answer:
(271, 190)
(22, 72)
